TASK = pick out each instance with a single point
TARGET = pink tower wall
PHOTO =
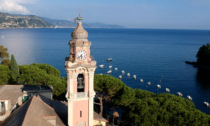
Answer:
(80, 106)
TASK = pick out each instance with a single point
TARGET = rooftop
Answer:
(34, 112)
(11, 92)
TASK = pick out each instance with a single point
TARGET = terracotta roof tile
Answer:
(33, 113)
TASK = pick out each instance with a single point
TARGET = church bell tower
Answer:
(80, 79)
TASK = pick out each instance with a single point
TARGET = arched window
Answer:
(80, 83)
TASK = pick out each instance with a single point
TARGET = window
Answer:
(2, 108)
(80, 83)
(80, 113)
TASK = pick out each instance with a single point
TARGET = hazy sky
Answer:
(180, 14)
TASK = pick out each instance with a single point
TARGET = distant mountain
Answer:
(60, 23)
(22, 21)
(32, 21)
(71, 24)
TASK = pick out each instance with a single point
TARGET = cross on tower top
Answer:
(78, 18)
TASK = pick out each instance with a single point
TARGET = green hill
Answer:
(22, 21)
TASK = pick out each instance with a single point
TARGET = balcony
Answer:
(81, 95)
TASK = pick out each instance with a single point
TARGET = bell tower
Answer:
(80, 79)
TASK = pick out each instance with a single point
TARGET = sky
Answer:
(160, 14)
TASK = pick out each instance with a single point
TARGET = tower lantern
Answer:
(80, 78)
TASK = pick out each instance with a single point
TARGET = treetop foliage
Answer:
(14, 68)
(5, 74)
(3, 54)
(145, 108)
(48, 69)
(203, 55)
(42, 74)
(108, 84)
(6, 62)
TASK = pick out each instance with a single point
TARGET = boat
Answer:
(128, 74)
(100, 74)
(167, 90)
(101, 66)
(110, 67)
(158, 86)
(189, 97)
(120, 77)
(141, 80)
(134, 77)
(115, 69)
(123, 72)
(179, 94)
(109, 59)
(108, 72)
(149, 83)
(207, 104)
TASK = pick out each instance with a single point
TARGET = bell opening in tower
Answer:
(80, 83)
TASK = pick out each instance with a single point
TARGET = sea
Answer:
(154, 55)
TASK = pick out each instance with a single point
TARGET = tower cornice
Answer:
(73, 66)
(80, 43)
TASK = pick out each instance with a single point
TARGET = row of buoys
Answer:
(148, 83)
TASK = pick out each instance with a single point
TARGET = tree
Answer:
(5, 74)
(48, 69)
(203, 55)
(140, 107)
(43, 74)
(14, 68)
(6, 62)
(106, 88)
(3, 53)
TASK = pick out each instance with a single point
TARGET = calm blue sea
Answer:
(151, 54)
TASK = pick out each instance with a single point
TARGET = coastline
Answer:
(195, 64)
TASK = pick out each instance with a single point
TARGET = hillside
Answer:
(32, 21)
(21, 21)
(71, 24)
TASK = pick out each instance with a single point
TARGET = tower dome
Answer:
(79, 32)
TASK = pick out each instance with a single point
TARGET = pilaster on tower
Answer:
(80, 78)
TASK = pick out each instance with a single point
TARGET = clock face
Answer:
(81, 55)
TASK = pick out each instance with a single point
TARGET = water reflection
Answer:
(20, 43)
(203, 78)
